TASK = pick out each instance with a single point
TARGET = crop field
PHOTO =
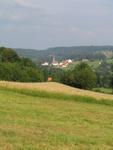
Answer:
(31, 119)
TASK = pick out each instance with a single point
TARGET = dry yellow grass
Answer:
(57, 88)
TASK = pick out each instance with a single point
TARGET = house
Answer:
(50, 79)
(55, 63)
(45, 64)
(69, 61)
(65, 63)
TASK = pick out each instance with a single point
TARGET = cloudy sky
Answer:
(41, 24)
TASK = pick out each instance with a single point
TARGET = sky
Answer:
(39, 24)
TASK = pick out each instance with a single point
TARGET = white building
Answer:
(45, 64)
(55, 63)
(69, 61)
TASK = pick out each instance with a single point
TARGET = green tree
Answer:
(8, 55)
(14, 68)
(55, 73)
(82, 76)
(104, 74)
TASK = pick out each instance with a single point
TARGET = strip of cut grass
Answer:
(60, 96)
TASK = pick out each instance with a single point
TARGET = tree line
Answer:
(15, 68)
(83, 76)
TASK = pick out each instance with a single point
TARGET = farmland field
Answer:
(29, 121)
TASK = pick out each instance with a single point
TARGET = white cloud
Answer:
(59, 21)
(27, 4)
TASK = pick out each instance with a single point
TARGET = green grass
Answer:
(110, 61)
(104, 90)
(94, 64)
(50, 121)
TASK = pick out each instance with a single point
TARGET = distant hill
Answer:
(75, 52)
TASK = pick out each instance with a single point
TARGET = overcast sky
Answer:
(41, 24)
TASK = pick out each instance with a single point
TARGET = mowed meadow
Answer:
(52, 116)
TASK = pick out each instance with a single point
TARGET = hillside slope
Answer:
(74, 52)
(56, 88)
(37, 123)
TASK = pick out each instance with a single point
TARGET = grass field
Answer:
(93, 64)
(104, 90)
(40, 120)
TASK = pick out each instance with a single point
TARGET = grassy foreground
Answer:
(46, 121)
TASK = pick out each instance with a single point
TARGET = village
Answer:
(61, 64)
(69, 62)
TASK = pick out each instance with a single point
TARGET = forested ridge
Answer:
(75, 52)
